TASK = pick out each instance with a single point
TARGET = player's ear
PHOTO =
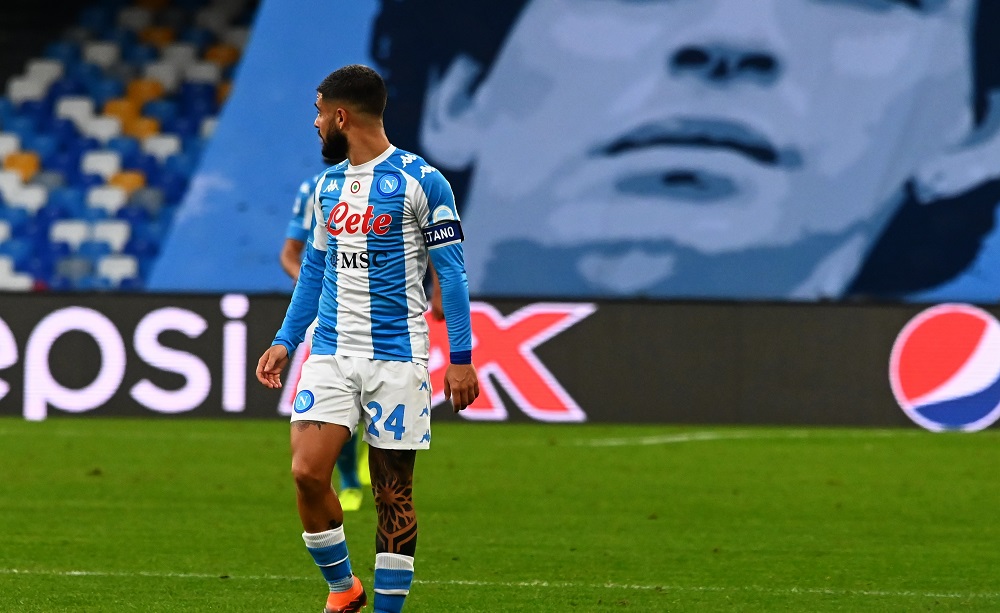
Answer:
(448, 128)
(967, 166)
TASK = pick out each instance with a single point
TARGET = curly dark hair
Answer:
(414, 41)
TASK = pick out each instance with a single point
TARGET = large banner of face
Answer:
(721, 149)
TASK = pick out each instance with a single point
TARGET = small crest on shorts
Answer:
(304, 401)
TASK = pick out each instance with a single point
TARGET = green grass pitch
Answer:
(162, 515)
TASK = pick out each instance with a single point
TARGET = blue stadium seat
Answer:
(63, 130)
(51, 212)
(70, 199)
(202, 37)
(45, 144)
(162, 109)
(134, 214)
(105, 89)
(16, 216)
(139, 54)
(97, 18)
(19, 248)
(131, 284)
(21, 125)
(88, 180)
(127, 147)
(91, 283)
(65, 51)
(38, 110)
(93, 250)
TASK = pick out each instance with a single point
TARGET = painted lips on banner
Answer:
(945, 368)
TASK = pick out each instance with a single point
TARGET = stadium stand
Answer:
(102, 121)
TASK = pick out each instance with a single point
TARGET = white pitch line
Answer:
(712, 435)
(516, 584)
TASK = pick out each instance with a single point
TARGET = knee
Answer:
(309, 480)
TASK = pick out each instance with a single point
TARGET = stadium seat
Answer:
(18, 249)
(103, 127)
(103, 53)
(169, 75)
(74, 268)
(70, 231)
(124, 109)
(93, 249)
(134, 18)
(78, 108)
(26, 163)
(103, 162)
(5, 230)
(9, 143)
(142, 127)
(128, 180)
(117, 267)
(180, 53)
(148, 198)
(45, 69)
(105, 88)
(143, 90)
(236, 36)
(21, 88)
(49, 179)
(10, 181)
(158, 36)
(107, 197)
(127, 147)
(212, 18)
(208, 127)
(162, 146)
(222, 92)
(222, 54)
(114, 232)
(68, 198)
(28, 197)
(140, 54)
(11, 280)
(203, 72)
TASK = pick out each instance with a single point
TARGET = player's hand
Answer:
(271, 364)
(461, 385)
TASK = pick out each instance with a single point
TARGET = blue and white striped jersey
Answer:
(376, 224)
(301, 224)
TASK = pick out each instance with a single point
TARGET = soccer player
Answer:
(352, 472)
(380, 215)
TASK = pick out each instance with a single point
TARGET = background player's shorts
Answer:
(392, 400)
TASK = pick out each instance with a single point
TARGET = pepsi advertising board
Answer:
(180, 356)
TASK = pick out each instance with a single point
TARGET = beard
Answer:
(335, 146)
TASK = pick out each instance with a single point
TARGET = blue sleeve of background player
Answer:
(300, 225)
(449, 262)
(305, 300)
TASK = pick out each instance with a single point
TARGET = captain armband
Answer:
(444, 233)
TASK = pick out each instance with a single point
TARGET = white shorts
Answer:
(392, 400)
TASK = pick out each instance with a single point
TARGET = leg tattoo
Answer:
(392, 485)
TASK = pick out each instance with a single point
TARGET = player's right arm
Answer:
(302, 308)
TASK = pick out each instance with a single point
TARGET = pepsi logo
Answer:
(945, 368)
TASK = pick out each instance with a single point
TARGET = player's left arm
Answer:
(443, 237)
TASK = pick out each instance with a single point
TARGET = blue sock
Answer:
(347, 464)
(329, 550)
(393, 576)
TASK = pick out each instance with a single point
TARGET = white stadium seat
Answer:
(22, 88)
(76, 108)
(101, 127)
(69, 231)
(103, 53)
(101, 162)
(116, 267)
(114, 232)
(9, 143)
(107, 197)
(162, 146)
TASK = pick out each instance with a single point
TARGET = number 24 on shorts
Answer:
(393, 422)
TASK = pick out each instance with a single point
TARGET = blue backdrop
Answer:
(709, 149)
